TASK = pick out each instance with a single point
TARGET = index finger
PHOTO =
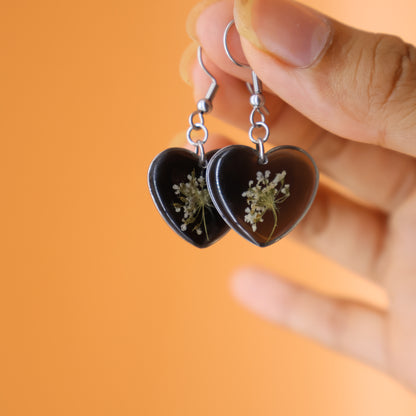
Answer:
(358, 85)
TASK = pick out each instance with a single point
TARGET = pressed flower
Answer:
(194, 199)
(265, 196)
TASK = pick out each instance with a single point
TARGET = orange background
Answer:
(103, 309)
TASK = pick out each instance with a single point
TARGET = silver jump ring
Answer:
(191, 119)
(199, 149)
(253, 113)
(262, 157)
(260, 149)
(256, 126)
(227, 51)
(197, 127)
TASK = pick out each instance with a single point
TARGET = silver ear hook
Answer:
(256, 101)
(205, 105)
(257, 88)
(227, 51)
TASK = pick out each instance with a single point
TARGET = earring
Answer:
(261, 195)
(177, 181)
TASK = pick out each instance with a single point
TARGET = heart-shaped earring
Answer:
(262, 201)
(262, 196)
(178, 186)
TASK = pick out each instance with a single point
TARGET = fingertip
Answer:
(193, 16)
(241, 281)
(187, 62)
(217, 141)
(179, 140)
(208, 28)
(261, 291)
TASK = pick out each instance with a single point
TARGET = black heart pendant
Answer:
(178, 187)
(262, 201)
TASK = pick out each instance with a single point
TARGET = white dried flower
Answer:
(265, 196)
(194, 199)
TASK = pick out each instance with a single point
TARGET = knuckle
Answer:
(392, 74)
(383, 79)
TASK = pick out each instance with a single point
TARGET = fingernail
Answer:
(292, 32)
(187, 62)
(194, 15)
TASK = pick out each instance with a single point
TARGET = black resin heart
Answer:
(178, 188)
(262, 202)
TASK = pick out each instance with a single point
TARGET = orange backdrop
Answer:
(103, 309)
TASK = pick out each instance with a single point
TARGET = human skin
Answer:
(349, 98)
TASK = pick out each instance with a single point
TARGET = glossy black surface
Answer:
(228, 176)
(172, 167)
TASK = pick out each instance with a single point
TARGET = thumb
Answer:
(358, 85)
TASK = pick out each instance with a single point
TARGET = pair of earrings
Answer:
(261, 195)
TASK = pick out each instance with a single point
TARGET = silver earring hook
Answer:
(203, 106)
(256, 101)
(214, 86)
(227, 50)
(257, 87)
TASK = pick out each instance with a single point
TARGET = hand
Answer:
(349, 98)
